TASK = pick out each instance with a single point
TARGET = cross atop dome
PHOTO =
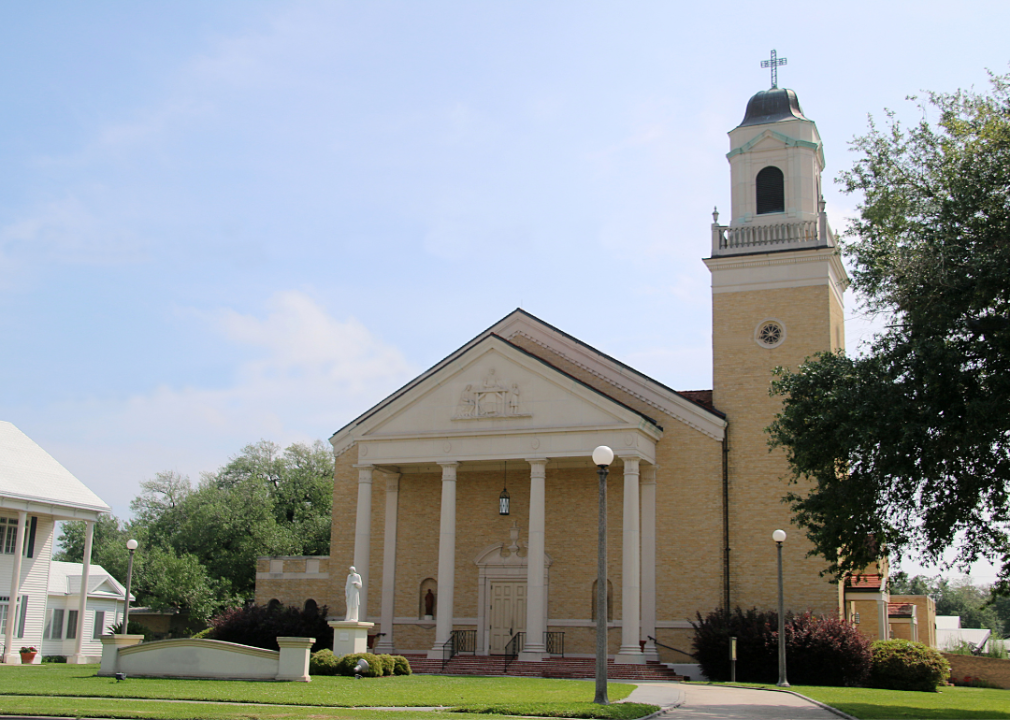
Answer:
(774, 63)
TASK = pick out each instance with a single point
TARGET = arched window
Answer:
(771, 195)
(610, 600)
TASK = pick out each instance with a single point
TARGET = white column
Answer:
(536, 623)
(11, 655)
(78, 657)
(648, 488)
(631, 598)
(883, 617)
(385, 642)
(446, 559)
(363, 536)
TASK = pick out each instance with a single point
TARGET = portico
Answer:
(513, 411)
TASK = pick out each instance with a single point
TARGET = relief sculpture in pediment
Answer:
(491, 398)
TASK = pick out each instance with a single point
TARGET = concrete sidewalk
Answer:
(696, 701)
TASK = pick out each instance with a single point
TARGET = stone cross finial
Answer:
(774, 63)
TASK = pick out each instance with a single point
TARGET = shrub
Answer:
(261, 625)
(387, 664)
(905, 665)
(135, 629)
(819, 650)
(203, 634)
(323, 662)
(756, 657)
(345, 666)
(401, 666)
(822, 650)
(54, 658)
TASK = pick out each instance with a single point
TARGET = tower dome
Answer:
(768, 106)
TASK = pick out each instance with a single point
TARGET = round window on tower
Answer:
(770, 333)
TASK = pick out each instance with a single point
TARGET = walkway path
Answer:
(695, 701)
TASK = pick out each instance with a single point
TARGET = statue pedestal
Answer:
(350, 636)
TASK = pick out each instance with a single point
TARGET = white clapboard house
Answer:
(35, 493)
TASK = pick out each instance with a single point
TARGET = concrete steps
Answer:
(575, 668)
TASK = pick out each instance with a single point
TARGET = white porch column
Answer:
(446, 559)
(648, 488)
(78, 657)
(385, 642)
(11, 656)
(631, 598)
(363, 535)
(535, 596)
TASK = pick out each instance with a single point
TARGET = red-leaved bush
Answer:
(261, 625)
(819, 650)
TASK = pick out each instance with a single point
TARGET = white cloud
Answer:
(307, 375)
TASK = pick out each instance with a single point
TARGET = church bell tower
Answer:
(777, 284)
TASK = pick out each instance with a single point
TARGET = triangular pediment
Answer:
(494, 386)
(549, 396)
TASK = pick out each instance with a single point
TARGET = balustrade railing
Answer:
(729, 240)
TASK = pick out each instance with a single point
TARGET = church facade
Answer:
(694, 493)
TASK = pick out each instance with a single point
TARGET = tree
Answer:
(973, 603)
(907, 446)
(198, 546)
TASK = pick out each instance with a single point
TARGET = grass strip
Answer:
(399, 691)
(950, 703)
(623, 711)
(155, 710)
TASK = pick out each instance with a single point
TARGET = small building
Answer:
(950, 634)
(104, 609)
(35, 493)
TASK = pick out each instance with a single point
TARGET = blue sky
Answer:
(226, 221)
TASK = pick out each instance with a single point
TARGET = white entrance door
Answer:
(508, 613)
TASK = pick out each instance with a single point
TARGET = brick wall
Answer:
(992, 670)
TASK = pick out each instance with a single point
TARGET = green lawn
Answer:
(955, 703)
(77, 690)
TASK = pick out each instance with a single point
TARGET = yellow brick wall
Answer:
(759, 478)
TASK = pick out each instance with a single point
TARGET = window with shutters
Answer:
(99, 628)
(71, 624)
(771, 195)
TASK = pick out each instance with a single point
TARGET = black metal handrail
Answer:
(668, 647)
(554, 642)
(460, 641)
(515, 646)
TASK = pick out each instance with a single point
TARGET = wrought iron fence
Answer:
(554, 641)
(460, 641)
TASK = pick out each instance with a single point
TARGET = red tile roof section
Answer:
(699, 397)
(864, 582)
(900, 609)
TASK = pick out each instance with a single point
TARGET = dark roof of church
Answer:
(768, 106)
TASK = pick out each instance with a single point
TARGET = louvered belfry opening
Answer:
(770, 191)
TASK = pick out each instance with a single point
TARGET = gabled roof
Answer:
(65, 579)
(611, 373)
(29, 473)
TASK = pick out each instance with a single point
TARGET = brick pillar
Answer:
(648, 488)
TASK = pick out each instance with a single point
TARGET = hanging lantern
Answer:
(504, 498)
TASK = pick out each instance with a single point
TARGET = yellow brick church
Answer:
(694, 493)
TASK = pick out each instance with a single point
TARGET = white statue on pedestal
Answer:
(352, 592)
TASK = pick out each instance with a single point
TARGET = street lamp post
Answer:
(131, 545)
(602, 457)
(779, 536)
